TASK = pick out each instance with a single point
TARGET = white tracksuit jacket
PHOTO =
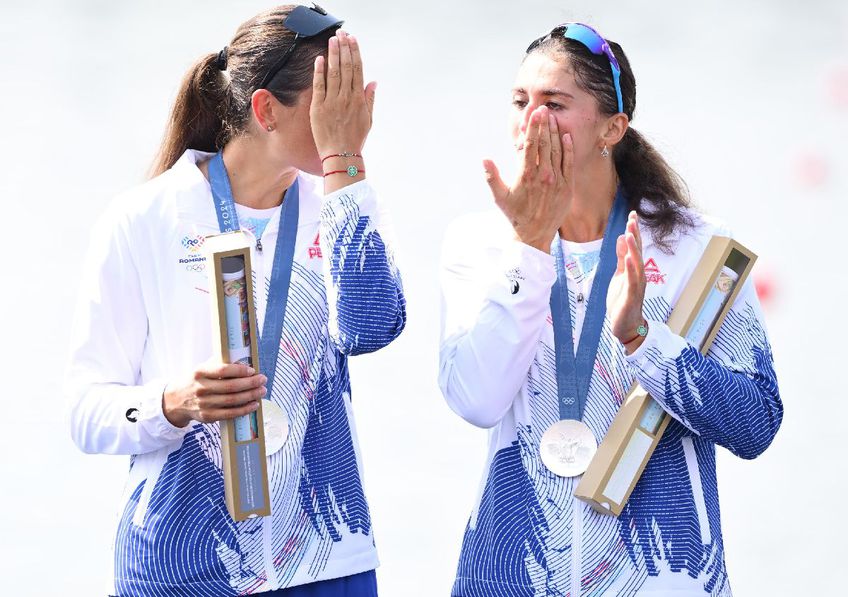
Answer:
(528, 536)
(144, 319)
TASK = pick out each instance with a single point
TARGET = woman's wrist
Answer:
(341, 169)
(175, 415)
(632, 342)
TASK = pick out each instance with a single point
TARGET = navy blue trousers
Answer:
(363, 584)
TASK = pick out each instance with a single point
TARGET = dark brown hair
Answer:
(653, 189)
(213, 102)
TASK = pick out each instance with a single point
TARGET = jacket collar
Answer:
(194, 196)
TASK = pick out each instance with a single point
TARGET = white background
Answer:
(747, 100)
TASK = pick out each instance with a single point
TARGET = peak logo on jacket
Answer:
(653, 275)
(314, 251)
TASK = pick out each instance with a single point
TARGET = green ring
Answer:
(642, 330)
(352, 171)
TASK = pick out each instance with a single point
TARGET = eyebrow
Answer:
(545, 92)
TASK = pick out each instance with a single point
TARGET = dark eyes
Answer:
(521, 104)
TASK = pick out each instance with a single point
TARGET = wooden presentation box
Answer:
(236, 340)
(637, 428)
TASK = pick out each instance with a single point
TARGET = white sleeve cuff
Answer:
(360, 192)
(660, 339)
(152, 416)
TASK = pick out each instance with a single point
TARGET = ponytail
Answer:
(197, 118)
(653, 189)
(213, 104)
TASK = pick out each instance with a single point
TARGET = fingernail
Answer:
(254, 406)
(263, 378)
(251, 370)
(264, 390)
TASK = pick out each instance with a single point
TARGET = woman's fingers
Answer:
(499, 189)
(233, 400)
(222, 414)
(635, 269)
(210, 387)
(213, 370)
(633, 246)
(356, 62)
(345, 64)
(567, 158)
(556, 146)
(531, 144)
(333, 72)
(319, 89)
(544, 143)
(632, 276)
(370, 95)
(620, 253)
(634, 218)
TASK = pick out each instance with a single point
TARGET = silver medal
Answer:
(276, 426)
(567, 448)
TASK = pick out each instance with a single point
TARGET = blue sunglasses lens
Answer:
(586, 36)
(594, 42)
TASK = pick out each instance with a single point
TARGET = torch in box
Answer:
(640, 423)
(234, 323)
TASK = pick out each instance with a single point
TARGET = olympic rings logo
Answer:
(196, 267)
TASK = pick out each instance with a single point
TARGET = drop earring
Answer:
(605, 152)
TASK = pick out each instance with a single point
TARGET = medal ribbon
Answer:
(574, 372)
(278, 293)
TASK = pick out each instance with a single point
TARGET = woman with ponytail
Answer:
(554, 305)
(266, 136)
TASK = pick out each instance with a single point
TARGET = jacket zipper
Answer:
(259, 301)
(576, 546)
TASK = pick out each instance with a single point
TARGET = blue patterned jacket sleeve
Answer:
(364, 292)
(729, 397)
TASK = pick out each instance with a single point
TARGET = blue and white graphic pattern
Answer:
(528, 535)
(187, 544)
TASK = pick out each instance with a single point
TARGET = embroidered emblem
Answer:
(514, 275)
(314, 251)
(193, 260)
(653, 275)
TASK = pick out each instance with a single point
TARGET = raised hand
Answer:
(627, 287)
(536, 203)
(341, 109)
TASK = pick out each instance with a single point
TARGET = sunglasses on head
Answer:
(593, 41)
(304, 22)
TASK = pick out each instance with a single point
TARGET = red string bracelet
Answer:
(641, 332)
(350, 171)
(344, 154)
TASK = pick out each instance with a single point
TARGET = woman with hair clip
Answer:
(266, 136)
(553, 311)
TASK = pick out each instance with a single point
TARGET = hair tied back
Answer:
(221, 59)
